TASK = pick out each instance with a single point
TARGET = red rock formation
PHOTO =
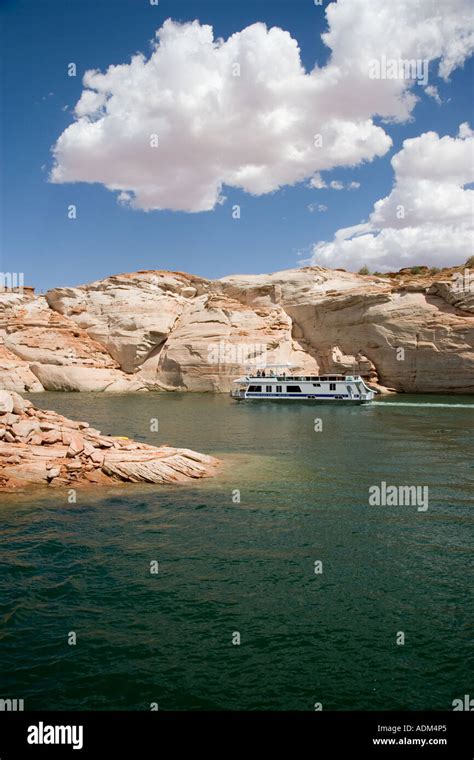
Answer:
(39, 447)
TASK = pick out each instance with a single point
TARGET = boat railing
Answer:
(304, 378)
(296, 378)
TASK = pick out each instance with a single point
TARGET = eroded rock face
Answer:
(212, 340)
(131, 315)
(40, 447)
(411, 333)
(41, 349)
(171, 331)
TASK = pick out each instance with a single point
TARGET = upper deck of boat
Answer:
(300, 378)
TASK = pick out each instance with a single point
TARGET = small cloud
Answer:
(465, 131)
(432, 92)
(317, 207)
(124, 199)
(338, 185)
(317, 182)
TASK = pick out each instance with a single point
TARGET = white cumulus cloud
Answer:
(426, 219)
(169, 131)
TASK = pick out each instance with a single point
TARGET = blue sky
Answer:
(275, 231)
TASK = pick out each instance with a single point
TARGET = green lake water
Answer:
(248, 566)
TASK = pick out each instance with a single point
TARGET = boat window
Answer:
(255, 389)
(317, 385)
(278, 388)
(293, 389)
(332, 386)
(269, 388)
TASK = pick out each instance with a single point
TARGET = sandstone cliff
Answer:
(158, 330)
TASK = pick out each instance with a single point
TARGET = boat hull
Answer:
(307, 399)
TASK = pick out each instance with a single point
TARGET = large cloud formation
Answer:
(428, 216)
(169, 131)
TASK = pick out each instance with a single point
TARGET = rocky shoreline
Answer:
(43, 448)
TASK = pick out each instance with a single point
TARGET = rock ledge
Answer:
(39, 447)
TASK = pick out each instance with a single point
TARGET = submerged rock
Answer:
(40, 447)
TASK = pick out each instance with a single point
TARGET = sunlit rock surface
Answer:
(173, 331)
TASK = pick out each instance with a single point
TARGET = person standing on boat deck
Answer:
(263, 373)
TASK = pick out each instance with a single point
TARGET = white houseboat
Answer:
(266, 384)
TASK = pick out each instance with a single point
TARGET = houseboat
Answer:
(266, 384)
